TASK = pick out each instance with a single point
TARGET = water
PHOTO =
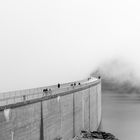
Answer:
(121, 115)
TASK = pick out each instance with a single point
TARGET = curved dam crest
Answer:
(62, 112)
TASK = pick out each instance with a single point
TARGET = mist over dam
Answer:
(52, 112)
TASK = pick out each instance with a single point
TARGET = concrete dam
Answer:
(51, 112)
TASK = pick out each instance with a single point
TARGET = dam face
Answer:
(60, 113)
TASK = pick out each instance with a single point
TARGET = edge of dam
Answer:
(59, 112)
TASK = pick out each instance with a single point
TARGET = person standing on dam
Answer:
(58, 85)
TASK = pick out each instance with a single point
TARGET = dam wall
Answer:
(61, 114)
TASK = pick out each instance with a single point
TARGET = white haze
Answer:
(119, 71)
(49, 41)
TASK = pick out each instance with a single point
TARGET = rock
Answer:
(97, 135)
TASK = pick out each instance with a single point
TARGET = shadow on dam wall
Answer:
(63, 115)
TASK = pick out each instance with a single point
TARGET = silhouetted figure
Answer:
(71, 84)
(79, 83)
(58, 85)
(99, 77)
(74, 84)
(45, 90)
(24, 98)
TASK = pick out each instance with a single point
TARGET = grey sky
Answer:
(50, 41)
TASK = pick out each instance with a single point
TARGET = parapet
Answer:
(26, 96)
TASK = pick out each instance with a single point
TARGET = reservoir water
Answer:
(121, 115)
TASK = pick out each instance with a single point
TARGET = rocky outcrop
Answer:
(95, 135)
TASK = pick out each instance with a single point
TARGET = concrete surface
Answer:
(61, 116)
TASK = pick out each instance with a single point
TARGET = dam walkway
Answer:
(26, 95)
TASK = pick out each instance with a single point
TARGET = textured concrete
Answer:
(24, 123)
(85, 108)
(51, 119)
(98, 87)
(78, 119)
(93, 109)
(67, 116)
(61, 116)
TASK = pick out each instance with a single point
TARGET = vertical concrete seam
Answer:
(41, 124)
(60, 113)
(73, 114)
(83, 117)
(12, 135)
(97, 106)
(100, 127)
(60, 109)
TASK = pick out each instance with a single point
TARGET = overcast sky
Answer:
(49, 41)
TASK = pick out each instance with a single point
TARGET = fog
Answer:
(117, 69)
(118, 76)
(46, 42)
